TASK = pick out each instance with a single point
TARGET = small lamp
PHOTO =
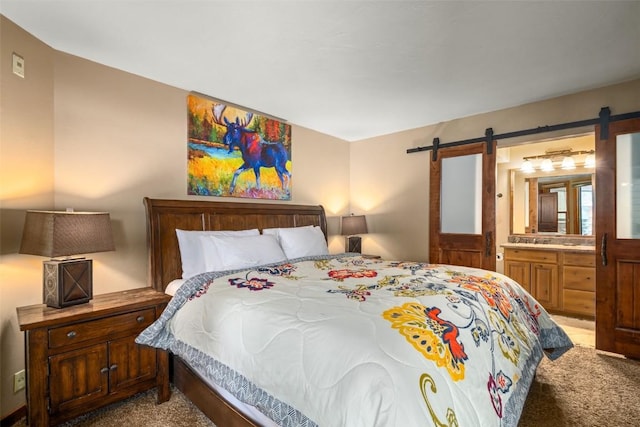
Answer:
(67, 281)
(351, 225)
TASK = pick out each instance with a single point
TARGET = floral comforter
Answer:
(349, 341)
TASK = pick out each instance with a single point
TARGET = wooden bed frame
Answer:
(163, 218)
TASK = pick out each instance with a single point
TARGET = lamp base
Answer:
(353, 244)
(67, 282)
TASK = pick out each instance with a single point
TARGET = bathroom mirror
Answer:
(552, 203)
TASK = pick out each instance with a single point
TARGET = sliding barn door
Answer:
(462, 206)
(618, 239)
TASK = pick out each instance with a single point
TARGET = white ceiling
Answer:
(352, 69)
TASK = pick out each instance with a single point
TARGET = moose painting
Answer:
(235, 153)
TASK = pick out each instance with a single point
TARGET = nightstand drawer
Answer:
(99, 329)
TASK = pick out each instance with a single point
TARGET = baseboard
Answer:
(14, 417)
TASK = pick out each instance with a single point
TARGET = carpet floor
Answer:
(583, 388)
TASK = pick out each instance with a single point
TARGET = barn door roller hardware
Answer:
(604, 118)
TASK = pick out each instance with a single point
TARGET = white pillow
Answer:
(229, 252)
(276, 231)
(173, 286)
(191, 248)
(298, 242)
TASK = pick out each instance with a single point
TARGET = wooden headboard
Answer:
(165, 216)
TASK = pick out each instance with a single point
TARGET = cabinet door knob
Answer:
(140, 319)
(104, 370)
(71, 334)
(113, 367)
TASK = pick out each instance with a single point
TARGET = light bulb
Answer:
(527, 166)
(568, 163)
(590, 161)
(546, 166)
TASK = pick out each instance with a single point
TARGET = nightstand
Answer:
(82, 357)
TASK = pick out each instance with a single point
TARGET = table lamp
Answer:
(351, 225)
(66, 281)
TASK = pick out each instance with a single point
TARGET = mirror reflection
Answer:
(561, 204)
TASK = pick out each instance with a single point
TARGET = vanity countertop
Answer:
(550, 246)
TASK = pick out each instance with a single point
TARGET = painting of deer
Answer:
(225, 143)
(256, 152)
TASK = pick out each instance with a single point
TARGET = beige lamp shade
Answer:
(57, 233)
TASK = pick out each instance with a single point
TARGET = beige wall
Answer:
(392, 187)
(26, 181)
(82, 135)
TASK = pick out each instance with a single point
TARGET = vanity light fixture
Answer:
(568, 162)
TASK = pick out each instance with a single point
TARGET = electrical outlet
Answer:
(19, 381)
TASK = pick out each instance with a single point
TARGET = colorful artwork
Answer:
(235, 153)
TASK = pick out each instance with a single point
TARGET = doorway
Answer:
(516, 189)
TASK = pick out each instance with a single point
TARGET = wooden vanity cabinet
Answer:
(537, 272)
(561, 280)
(579, 283)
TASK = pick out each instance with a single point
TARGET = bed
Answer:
(295, 336)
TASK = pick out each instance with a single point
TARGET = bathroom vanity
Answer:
(560, 274)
